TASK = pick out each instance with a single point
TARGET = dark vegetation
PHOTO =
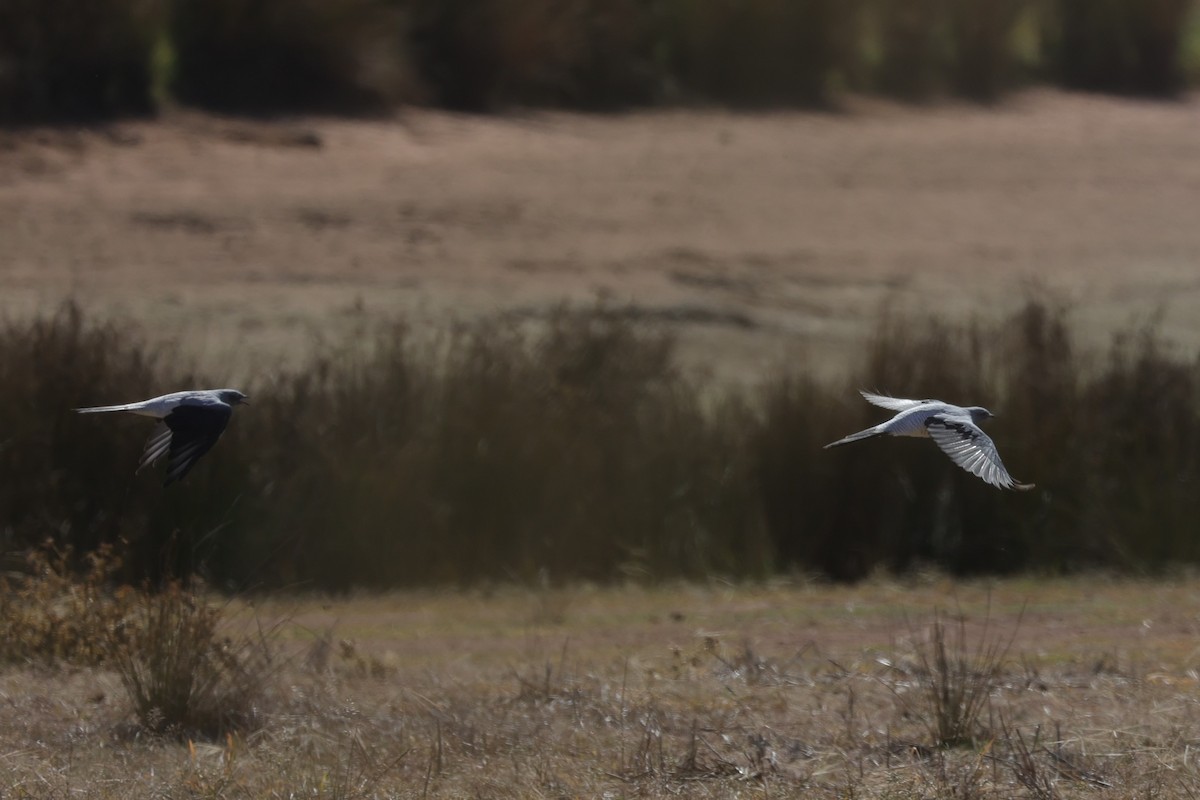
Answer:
(254, 56)
(71, 60)
(65, 59)
(574, 447)
(185, 672)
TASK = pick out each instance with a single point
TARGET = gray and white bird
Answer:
(189, 425)
(955, 429)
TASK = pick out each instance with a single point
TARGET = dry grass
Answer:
(183, 672)
(182, 676)
(711, 690)
(51, 613)
(757, 239)
(714, 691)
(956, 679)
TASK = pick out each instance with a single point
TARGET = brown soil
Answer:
(758, 237)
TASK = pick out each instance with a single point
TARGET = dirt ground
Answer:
(720, 691)
(757, 237)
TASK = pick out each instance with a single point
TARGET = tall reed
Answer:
(575, 447)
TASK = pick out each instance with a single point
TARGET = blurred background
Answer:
(549, 290)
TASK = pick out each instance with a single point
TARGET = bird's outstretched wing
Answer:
(184, 436)
(156, 446)
(972, 449)
(890, 403)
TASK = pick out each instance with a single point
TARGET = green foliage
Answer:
(911, 44)
(486, 54)
(286, 55)
(760, 52)
(983, 54)
(69, 60)
(1133, 46)
(928, 48)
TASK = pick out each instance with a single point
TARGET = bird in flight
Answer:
(954, 429)
(189, 425)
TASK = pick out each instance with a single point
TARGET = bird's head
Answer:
(232, 397)
(979, 414)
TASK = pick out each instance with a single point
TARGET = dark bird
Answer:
(190, 423)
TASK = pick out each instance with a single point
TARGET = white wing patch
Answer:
(972, 449)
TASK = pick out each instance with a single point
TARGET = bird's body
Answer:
(955, 429)
(190, 423)
(159, 407)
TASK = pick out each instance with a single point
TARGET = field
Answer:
(780, 690)
(758, 238)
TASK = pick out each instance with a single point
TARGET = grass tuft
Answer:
(956, 680)
(183, 676)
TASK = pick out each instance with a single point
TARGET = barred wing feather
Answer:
(972, 449)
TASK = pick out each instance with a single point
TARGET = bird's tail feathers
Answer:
(97, 409)
(869, 433)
